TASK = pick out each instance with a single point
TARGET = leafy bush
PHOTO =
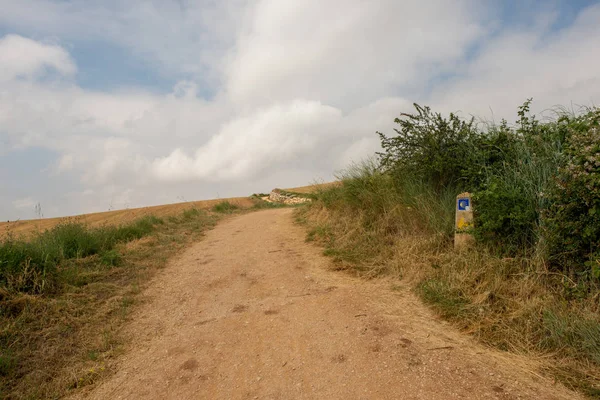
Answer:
(573, 220)
(512, 172)
(511, 198)
(430, 148)
(506, 217)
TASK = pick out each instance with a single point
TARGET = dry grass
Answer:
(511, 304)
(117, 217)
(55, 343)
(64, 340)
(312, 188)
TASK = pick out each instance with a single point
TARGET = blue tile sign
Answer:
(464, 205)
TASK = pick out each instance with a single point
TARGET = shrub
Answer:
(573, 220)
(506, 216)
(430, 148)
(512, 197)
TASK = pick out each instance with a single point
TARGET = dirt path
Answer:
(253, 312)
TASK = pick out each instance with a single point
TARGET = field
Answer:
(116, 217)
(67, 285)
(27, 227)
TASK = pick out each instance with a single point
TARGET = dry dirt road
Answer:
(253, 312)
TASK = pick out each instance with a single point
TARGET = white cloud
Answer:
(297, 88)
(248, 145)
(25, 58)
(347, 53)
(187, 37)
(65, 163)
(555, 68)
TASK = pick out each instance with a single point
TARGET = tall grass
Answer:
(225, 207)
(371, 226)
(531, 285)
(30, 266)
(65, 293)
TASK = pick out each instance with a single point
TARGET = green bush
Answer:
(573, 220)
(430, 148)
(536, 184)
(512, 197)
(506, 217)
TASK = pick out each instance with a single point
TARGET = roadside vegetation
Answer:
(66, 292)
(531, 284)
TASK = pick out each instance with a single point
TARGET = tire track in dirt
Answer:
(253, 312)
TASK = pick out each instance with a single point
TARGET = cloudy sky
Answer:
(113, 104)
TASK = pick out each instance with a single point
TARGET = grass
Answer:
(292, 193)
(450, 302)
(65, 293)
(32, 266)
(371, 227)
(225, 207)
(263, 205)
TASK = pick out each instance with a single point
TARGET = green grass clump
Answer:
(575, 334)
(31, 266)
(111, 258)
(450, 302)
(190, 214)
(225, 207)
(264, 205)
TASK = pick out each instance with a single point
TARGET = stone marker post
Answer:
(463, 236)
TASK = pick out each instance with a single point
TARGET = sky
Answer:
(109, 104)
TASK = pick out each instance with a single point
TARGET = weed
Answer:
(575, 334)
(225, 207)
(7, 363)
(263, 205)
(111, 258)
(190, 214)
(451, 303)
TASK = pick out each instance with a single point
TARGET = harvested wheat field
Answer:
(27, 227)
(116, 217)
